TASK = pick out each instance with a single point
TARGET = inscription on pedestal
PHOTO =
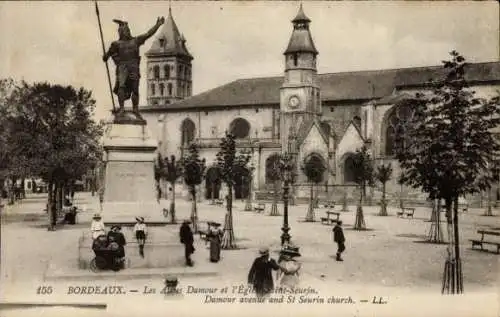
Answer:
(129, 181)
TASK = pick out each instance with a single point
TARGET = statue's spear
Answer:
(104, 52)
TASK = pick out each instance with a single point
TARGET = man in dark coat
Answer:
(338, 237)
(186, 236)
(260, 275)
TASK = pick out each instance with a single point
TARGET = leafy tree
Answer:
(274, 175)
(363, 173)
(52, 134)
(457, 160)
(228, 161)
(314, 170)
(171, 173)
(383, 175)
(193, 173)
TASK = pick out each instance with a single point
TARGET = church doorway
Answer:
(241, 183)
(212, 183)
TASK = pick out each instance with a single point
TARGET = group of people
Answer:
(214, 235)
(260, 275)
(114, 240)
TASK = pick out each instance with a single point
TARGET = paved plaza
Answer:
(388, 259)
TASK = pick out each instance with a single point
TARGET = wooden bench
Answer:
(406, 211)
(329, 204)
(219, 202)
(259, 207)
(481, 242)
(328, 220)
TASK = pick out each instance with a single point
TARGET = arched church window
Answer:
(271, 168)
(162, 89)
(153, 89)
(169, 88)
(397, 124)
(187, 131)
(156, 72)
(240, 128)
(166, 69)
(349, 170)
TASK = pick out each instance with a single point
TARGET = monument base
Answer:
(129, 184)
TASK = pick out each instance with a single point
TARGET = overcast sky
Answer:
(59, 41)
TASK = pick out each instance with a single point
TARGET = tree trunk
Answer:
(12, 192)
(435, 234)
(172, 205)
(359, 223)
(488, 211)
(316, 196)
(453, 276)
(228, 241)
(274, 207)
(344, 201)
(194, 211)
(383, 202)
(310, 211)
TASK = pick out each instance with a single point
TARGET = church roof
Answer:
(306, 127)
(301, 39)
(335, 87)
(169, 41)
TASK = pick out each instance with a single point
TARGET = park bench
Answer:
(219, 202)
(330, 204)
(406, 211)
(328, 220)
(259, 207)
(481, 242)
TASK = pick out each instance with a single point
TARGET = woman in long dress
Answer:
(288, 276)
(215, 242)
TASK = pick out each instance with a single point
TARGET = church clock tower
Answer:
(299, 93)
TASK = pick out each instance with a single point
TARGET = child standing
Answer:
(338, 237)
(141, 232)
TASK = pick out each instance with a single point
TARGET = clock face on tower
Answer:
(293, 102)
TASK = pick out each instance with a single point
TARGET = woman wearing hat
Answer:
(141, 232)
(115, 235)
(288, 277)
(97, 226)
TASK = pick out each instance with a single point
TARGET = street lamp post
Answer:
(286, 170)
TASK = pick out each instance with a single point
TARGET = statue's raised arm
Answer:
(144, 37)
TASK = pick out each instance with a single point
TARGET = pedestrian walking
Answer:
(288, 276)
(338, 237)
(141, 233)
(215, 238)
(186, 237)
(101, 197)
(260, 274)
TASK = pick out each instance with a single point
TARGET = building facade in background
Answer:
(326, 116)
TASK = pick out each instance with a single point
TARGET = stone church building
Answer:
(323, 115)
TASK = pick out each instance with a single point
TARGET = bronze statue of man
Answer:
(125, 54)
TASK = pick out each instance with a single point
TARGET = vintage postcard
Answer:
(250, 158)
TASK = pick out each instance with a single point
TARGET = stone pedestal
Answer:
(129, 184)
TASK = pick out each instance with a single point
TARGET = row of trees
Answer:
(48, 132)
(449, 150)
(230, 165)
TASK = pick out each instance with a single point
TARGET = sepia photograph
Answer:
(250, 158)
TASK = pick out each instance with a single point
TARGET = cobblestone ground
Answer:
(387, 260)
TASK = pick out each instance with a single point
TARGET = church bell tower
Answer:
(299, 93)
(169, 75)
